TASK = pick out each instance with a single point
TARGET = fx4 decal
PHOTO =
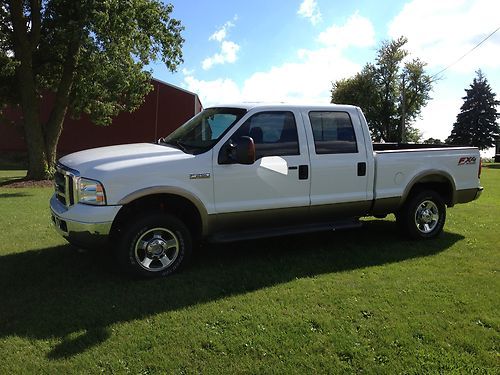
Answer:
(467, 160)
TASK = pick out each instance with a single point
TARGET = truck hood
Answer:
(94, 162)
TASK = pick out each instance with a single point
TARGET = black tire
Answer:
(423, 215)
(156, 245)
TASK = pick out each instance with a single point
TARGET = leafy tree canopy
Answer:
(89, 53)
(476, 124)
(433, 141)
(391, 92)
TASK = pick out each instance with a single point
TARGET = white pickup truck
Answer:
(246, 171)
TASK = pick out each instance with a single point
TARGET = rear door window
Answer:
(333, 132)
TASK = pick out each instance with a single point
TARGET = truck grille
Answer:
(65, 184)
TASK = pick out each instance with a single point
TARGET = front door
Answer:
(276, 186)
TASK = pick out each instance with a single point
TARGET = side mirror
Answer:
(245, 150)
(240, 152)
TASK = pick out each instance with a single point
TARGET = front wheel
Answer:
(423, 215)
(155, 245)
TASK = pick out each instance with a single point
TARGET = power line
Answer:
(461, 57)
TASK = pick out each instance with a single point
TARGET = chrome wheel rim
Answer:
(156, 249)
(426, 216)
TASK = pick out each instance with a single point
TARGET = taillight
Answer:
(480, 167)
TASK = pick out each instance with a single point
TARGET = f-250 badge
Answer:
(467, 160)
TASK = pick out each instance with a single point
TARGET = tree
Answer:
(88, 54)
(412, 135)
(391, 92)
(433, 141)
(476, 124)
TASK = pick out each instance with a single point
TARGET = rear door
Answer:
(338, 159)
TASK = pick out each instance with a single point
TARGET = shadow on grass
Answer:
(13, 160)
(76, 297)
(12, 166)
(9, 180)
(14, 195)
(492, 166)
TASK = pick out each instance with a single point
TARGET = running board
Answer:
(284, 231)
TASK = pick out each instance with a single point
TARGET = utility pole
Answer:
(403, 109)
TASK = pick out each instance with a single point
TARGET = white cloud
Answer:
(215, 91)
(306, 78)
(440, 32)
(227, 54)
(309, 9)
(221, 34)
(187, 72)
(357, 31)
(438, 116)
(228, 49)
(304, 81)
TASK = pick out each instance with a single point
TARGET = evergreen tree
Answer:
(476, 123)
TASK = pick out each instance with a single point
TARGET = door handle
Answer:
(303, 172)
(362, 169)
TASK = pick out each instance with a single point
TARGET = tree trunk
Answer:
(37, 168)
(53, 127)
(402, 123)
(53, 130)
(37, 162)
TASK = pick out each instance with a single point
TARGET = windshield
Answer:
(204, 130)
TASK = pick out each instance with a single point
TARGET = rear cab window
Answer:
(333, 132)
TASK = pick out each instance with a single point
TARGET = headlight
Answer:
(91, 192)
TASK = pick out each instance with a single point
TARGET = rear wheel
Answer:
(155, 245)
(423, 215)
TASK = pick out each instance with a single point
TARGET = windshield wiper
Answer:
(178, 144)
(182, 146)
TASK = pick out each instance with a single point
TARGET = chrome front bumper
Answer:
(83, 234)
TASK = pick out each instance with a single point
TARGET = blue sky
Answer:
(292, 50)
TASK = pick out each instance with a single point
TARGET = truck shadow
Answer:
(14, 195)
(76, 297)
(492, 166)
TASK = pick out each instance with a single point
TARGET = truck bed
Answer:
(406, 146)
(397, 168)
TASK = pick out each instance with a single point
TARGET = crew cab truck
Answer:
(246, 171)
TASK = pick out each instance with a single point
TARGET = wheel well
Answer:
(178, 206)
(437, 183)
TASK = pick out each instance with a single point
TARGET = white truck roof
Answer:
(282, 106)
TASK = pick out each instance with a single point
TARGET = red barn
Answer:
(164, 109)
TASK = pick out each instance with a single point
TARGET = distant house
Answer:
(164, 109)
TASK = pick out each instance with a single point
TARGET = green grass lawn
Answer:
(364, 300)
